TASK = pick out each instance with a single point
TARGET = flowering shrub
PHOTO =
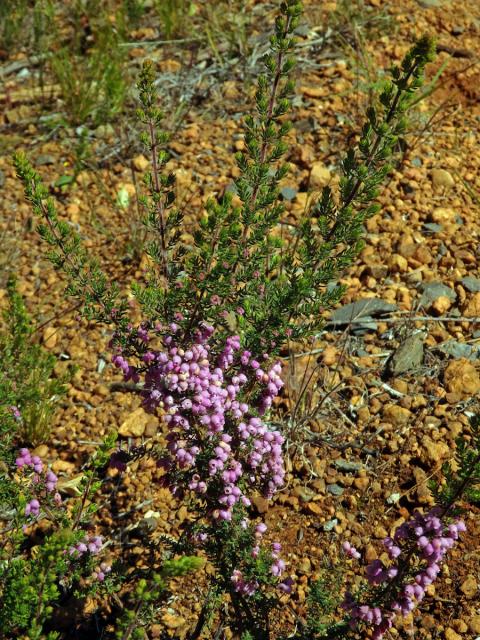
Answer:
(416, 553)
(213, 391)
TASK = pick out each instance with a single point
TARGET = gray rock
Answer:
(431, 291)
(335, 489)
(365, 309)
(330, 525)
(347, 466)
(288, 193)
(408, 356)
(431, 4)
(432, 227)
(44, 159)
(459, 350)
(471, 284)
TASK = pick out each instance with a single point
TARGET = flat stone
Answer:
(288, 193)
(470, 587)
(474, 624)
(441, 178)
(459, 350)
(43, 159)
(134, 426)
(461, 377)
(320, 176)
(408, 356)
(432, 227)
(431, 291)
(450, 634)
(362, 309)
(347, 466)
(471, 284)
(330, 525)
(261, 504)
(335, 489)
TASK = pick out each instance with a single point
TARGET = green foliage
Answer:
(462, 479)
(93, 87)
(29, 586)
(27, 379)
(134, 10)
(150, 593)
(324, 598)
(87, 281)
(12, 17)
(173, 15)
(241, 274)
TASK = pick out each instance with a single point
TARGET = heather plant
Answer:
(396, 583)
(35, 577)
(240, 271)
(50, 552)
(203, 358)
(30, 391)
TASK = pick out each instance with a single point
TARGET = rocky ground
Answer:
(396, 369)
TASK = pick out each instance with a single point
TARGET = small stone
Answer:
(432, 291)
(169, 65)
(329, 355)
(261, 504)
(314, 508)
(398, 263)
(462, 378)
(305, 566)
(441, 178)
(320, 176)
(49, 337)
(361, 483)
(408, 356)
(460, 626)
(335, 489)
(134, 426)
(304, 494)
(62, 466)
(471, 284)
(140, 163)
(73, 212)
(380, 532)
(370, 553)
(442, 215)
(347, 466)
(472, 308)
(450, 634)
(469, 587)
(441, 305)
(41, 451)
(396, 415)
(43, 159)
(172, 621)
(436, 450)
(474, 624)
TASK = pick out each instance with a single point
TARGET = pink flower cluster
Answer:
(101, 572)
(90, 544)
(277, 567)
(217, 443)
(423, 540)
(43, 479)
